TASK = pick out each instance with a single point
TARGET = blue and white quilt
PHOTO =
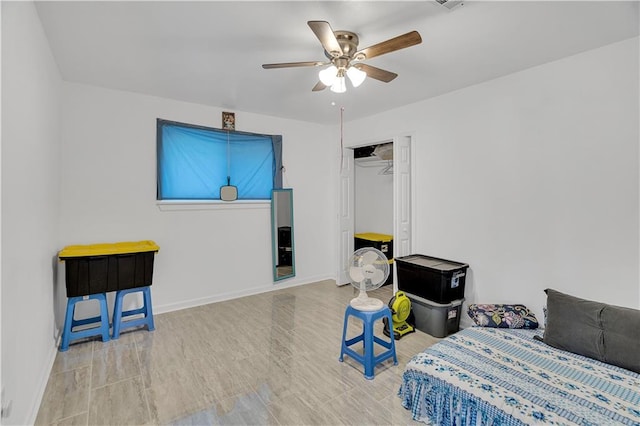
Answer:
(490, 376)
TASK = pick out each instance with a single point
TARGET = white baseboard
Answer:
(293, 282)
(44, 379)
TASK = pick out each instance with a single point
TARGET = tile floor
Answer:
(265, 359)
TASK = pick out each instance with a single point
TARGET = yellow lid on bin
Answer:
(104, 249)
(372, 236)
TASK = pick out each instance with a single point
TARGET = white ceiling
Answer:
(211, 52)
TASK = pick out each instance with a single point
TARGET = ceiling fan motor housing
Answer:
(348, 42)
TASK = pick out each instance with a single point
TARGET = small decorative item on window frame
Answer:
(228, 120)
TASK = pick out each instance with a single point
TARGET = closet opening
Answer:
(373, 204)
(374, 196)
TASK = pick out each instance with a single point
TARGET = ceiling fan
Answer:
(341, 48)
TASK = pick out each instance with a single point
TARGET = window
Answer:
(194, 162)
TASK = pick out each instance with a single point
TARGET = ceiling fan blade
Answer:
(318, 87)
(406, 40)
(377, 73)
(325, 34)
(294, 64)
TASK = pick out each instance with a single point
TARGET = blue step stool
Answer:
(118, 315)
(368, 359)
(69, 322)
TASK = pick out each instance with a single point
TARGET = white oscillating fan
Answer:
(368, 269)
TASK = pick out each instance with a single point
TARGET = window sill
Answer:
(181, 205)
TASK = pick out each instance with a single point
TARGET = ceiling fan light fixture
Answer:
(339, 86)
(356, 76)
(328, 75)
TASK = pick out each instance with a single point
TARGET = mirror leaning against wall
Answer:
(282, 234)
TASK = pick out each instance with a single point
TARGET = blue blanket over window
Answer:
(194, 162)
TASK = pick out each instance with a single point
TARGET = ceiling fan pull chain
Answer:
(228, 160)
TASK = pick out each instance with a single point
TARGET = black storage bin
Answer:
(101, 268)
(101, 274)
(382, 242)
(285, 251)
(285, 257)
(431, 278)
(284, 236)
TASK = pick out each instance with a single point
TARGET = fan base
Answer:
(366, 304)
(399, 329)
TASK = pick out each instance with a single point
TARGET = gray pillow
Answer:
(574, 325)
(604, 332)
(622, 337)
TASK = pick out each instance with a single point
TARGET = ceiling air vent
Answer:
(450, 4)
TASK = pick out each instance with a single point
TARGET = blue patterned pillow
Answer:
(502, 316)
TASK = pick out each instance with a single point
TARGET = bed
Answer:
(493, 376)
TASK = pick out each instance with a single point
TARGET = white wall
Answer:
(373, 199)
(108, 190)
(31, 87)
(531, 178)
